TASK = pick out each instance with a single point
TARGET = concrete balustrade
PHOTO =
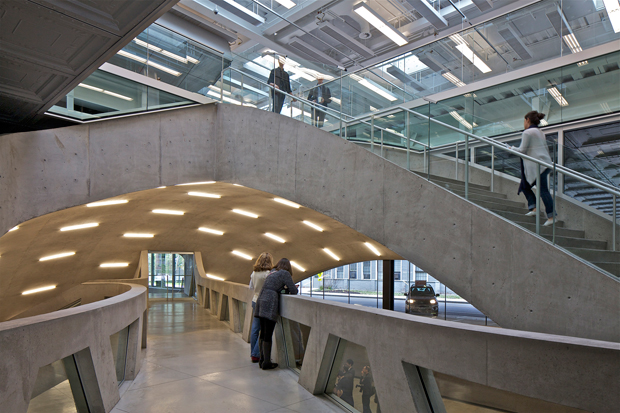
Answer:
(567, 371)
(27, 344)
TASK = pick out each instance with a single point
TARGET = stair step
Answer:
(453, 188)
(611, 267)
(559, 231)
(456, 182)
(594, 255)
(521, 218)
(568, 242)
(482, 194)
(496, 206)
(475, 198)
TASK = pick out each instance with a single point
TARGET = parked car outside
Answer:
(421, 300)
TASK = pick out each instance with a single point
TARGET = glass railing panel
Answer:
(103, 95)
(169, 57)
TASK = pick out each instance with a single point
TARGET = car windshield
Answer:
(422, 291)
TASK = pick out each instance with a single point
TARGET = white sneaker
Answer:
(548, 222)
(531, 214)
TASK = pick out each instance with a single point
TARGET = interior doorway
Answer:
(171, 275)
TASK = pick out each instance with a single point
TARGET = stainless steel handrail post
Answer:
(303, 112)
(466, 167)
(382, 144)
(613, 225)
(538, 180)
(427, 168)
(372, 134)
(456, 161)
(222, 86)
(554, 190)
(408, 141)
(492, 168)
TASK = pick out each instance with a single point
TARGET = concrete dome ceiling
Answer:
(21, 249)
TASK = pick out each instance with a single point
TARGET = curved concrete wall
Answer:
(518, 279)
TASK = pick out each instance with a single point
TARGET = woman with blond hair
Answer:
(262, 266)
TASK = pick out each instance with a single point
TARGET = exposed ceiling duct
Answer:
(483, 5)
(314, 53)
(429, 13)
(430, 62)
(514, 42)
(339, 35)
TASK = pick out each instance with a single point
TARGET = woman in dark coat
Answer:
(268, 307)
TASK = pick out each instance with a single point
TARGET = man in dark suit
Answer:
(321, 95)
(279, 79)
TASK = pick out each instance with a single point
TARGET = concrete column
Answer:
(233, 315)
(388, 284)
(133, 360)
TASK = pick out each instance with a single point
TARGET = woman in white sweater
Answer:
(534, 144)
(262, 267)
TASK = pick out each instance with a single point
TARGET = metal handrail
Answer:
(561, 168)
(311, 104)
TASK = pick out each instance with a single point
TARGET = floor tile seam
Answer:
(159, 384)
(245, 394)
(302, 400)
(268, 401)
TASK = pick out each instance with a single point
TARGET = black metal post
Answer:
(388, 285)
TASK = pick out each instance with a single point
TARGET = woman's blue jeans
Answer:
(545, 196)
(255, 352)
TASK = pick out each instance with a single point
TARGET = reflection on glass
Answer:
(119, 352)
(296, 339)
(171, 275)
(103, 94)
(460, 395)
(58, 389)
(350, 380)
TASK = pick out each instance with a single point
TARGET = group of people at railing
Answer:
(268, 282)
(320, 95)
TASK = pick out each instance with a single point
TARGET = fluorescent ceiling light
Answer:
(218, 90)
(331, 254)
(311, 225)
(72, 227)
(274, 237)
(204, 194)
(336, 100)
(462, 47)
(245, 86)
(38, 290)
(380, 24)
(168, 212)
(214, 277)
(454, 79)
(257, 69)
(372, 248)
(104, 203)
(246, 213)
(114, 264)
(375, 88)
(557, 96)
(543, 122)
(196, 183)
(287, 3)
(582, 63)
(61, 255)
(14, 228)
(299, 267)
(242, 255)
(605, 107)
(239, 185)
(286, 202)
(613, 11)
(107, 92)
(160, 187)
(286, 110)
(240, 11)
(137, 235)
(211, 231)
(148, 62)
(461, 120)
(572, 43)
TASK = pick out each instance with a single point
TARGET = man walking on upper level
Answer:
(322, 96)
(279, 79)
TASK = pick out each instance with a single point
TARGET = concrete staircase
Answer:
(594, 251)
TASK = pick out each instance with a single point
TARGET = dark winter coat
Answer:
(268, 303)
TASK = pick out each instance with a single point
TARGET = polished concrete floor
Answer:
(194, 363)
